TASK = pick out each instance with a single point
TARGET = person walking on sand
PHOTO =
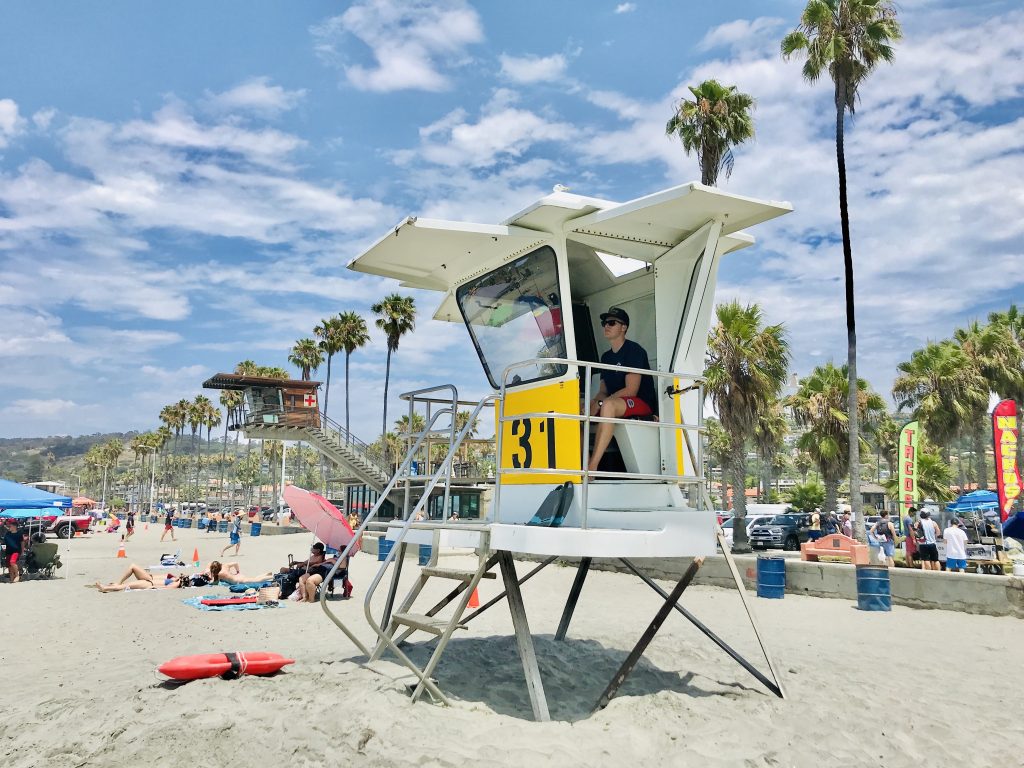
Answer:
(129, 525)
(928, 549)
(14, 545)
(234, 535)
(168, 526)
(956, 547)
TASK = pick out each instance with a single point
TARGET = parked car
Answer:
(785, 532)
(61, 526)
(751, 522)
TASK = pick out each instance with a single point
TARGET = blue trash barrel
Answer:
(383, 547)
(188, 523)
(222, 526)
(771, 577)
(255, 529)
(873, 592)
(425, 552)
(202, 523)
(152, 518)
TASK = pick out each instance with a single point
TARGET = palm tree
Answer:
(887, 440)
(820, 404)
(212, 418)
(943, 390)
(934, 477)
(231, 399)
(197, 414)
(354, 334)
(744, 374)
(307, 355)
(717, 119)
(396, 317)
(848, 39)
(329, 333)
(802, 462)
(717, 447)
(769, 432)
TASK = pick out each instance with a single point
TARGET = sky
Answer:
(182, 184)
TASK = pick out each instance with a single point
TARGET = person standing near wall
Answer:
(910, 537)
(928, 548)
(956, 547)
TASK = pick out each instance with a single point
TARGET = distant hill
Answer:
(30, 459)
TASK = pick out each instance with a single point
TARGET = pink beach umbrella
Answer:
(317, 515)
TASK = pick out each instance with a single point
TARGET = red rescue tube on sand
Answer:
(229, 600)
(229, 665)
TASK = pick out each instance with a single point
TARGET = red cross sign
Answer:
(309, 401)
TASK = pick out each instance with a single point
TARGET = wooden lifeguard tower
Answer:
(530, 292)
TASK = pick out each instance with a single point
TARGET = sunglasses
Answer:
(606, 323)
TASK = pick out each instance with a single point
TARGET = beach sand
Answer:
(906, 688)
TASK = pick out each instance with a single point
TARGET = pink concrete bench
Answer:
(835, 545)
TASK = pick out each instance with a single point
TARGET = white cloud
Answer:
(45, 409)
(11, 123)
(43, 117)
(741, 31)
(533, 69)
(503, 131)
(625, 7)
(411, 41)
(255, 95)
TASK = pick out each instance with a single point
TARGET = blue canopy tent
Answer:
(17, 496)
(20, 514)
(975, 501)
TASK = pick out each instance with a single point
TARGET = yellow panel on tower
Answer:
(546, 442)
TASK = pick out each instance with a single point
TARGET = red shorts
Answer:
(636, 407)
(167, 526)
(12, 558)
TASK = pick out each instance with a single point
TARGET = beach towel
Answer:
(196, 602)
(241, 587)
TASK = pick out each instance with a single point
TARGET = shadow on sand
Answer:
(575, 674)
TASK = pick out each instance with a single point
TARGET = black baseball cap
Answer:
(616, 313)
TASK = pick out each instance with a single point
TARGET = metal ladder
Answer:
(442, 628)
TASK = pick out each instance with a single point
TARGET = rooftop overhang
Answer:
(237, 382)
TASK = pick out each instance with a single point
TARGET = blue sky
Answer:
(181, 184)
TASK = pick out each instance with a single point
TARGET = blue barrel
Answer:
(873, 592)
(222, 526)
(383, 547)
(771, 577)
(152, 518)
(255, 529)
(202, 523)
(425, 552)
(187, 523)
(211, 527)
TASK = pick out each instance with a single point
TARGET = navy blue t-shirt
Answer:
(631, 355)
(12, 542)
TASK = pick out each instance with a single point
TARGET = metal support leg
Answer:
(524, 641)
(393, 587)
(574, 596)
(645, 640)
(495, 600)
(747, 607)
(769, 684)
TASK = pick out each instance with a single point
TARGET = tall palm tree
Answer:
(716, 120)
(744, 374)
(848, 39)
(887, 440)
(396, 317)
(231, 399)
(329, 334)
(354, 335)
(769, 433)
(197, 415)
(307, 355)
(821, 405)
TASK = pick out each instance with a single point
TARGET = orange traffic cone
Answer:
(120, 549)
(195, 557)
(474, 599)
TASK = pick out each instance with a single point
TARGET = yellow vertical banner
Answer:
(540, 441)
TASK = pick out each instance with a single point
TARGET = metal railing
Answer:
(586, 369)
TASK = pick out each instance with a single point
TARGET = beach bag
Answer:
(287, 582)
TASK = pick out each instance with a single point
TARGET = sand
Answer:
(906, 688)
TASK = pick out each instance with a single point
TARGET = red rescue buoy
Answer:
(228, 665)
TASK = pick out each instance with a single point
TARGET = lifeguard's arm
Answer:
(602, 393)
(631, 388)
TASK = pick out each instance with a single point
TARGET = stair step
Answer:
(454, 573)
(431, 624)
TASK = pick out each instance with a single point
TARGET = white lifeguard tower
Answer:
(530, 291)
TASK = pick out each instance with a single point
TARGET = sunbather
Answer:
(230, 573)
(140, 579)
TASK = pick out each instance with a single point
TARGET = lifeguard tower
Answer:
(529, 292)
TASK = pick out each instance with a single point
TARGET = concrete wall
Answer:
(967, 592)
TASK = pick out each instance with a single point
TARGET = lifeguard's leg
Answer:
(613, 408)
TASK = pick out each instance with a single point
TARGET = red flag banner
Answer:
(1005, 432)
